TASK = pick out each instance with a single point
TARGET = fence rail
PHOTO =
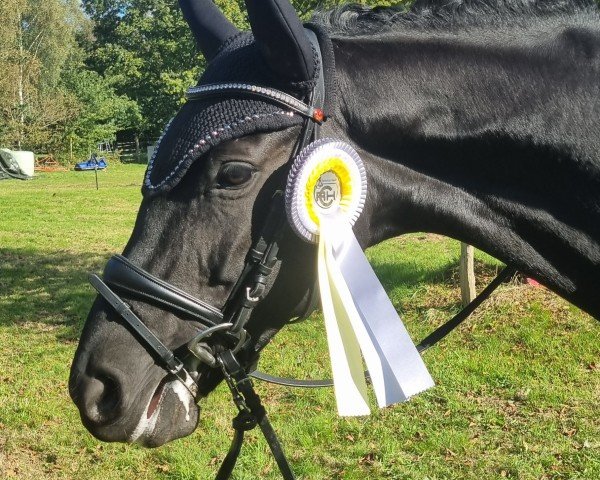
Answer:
(130, 152)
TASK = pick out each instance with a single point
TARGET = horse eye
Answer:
(234, 174)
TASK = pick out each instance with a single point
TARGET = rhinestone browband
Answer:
(277, 96)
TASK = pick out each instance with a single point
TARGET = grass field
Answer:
(518, 386)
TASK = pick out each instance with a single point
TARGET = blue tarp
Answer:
(94, 163)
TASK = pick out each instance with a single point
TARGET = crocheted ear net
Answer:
(202, 124)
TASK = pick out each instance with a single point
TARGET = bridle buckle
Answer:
(250, 298)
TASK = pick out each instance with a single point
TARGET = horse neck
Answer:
(489, 138)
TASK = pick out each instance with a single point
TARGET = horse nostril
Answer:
(102, 399)
(109, 400)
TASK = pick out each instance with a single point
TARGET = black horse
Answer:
(479, 120)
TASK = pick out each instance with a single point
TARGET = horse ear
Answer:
(208, 24)
(281, 38)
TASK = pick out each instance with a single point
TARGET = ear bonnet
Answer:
(245, 59)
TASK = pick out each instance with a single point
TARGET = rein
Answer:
(429, 341)
(228, 324)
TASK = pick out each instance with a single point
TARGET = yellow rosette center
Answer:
(329, 185)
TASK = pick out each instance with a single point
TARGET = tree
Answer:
(101, 112)
(49, 99)
(144, 47)
(38, 37)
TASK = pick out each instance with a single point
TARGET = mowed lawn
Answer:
(517, 394)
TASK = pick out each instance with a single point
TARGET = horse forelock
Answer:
(353, 19)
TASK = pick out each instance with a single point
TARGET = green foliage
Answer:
(146, 50)
(22, 54)
(46, 98)
(101, 113)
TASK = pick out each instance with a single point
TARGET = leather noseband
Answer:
(124, 276)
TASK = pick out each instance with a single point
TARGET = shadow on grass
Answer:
(49, 289)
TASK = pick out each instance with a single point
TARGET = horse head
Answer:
(208, 192)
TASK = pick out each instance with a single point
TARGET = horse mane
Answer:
(352, 19)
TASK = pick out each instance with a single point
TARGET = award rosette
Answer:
(325, 195)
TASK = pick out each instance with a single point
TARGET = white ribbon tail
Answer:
(396, 367)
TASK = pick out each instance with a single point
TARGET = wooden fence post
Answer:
(467, 273)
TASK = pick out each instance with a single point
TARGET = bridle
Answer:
(228, 324)
(121, 275)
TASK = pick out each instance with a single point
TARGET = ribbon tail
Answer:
(346, 364)
(375, 364)
(397, 369)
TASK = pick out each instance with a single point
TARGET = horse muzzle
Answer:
(114, 409)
